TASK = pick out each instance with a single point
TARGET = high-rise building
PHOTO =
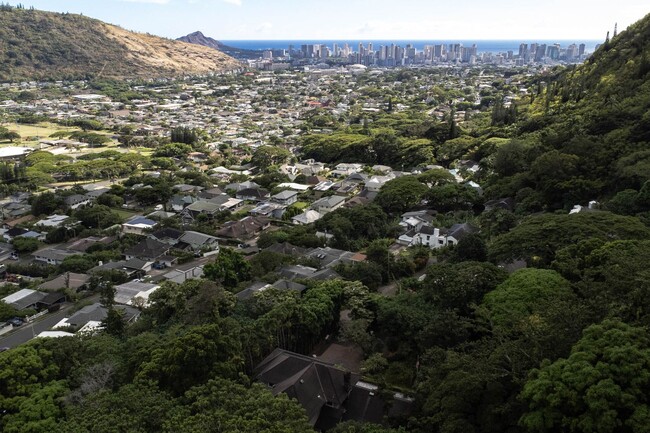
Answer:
(581, 50)
(523, 50)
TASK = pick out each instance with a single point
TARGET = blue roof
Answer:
(141, 220)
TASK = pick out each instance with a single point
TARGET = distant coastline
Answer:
(484, 46)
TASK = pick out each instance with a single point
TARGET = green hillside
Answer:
(586, 132)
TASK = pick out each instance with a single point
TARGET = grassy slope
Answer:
(36, 44)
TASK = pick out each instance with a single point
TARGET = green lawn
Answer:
(32, 133)
(300, 205)
(125, 214)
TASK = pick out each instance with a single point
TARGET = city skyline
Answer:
(381, 19)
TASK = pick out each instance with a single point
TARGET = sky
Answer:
(362, 20)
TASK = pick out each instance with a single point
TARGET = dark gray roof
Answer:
(28, 301)
(459, 231)
(330, 256)
(148, 248)
(286, 248)
(289, 285)
(96, 312)
(314, 384)
(167, 233)
(258, 193)
(66, 280)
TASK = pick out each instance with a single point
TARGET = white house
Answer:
(307, 217)
(436, 238)
(138, 225)
(376, 182)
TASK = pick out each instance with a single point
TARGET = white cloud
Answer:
(233, 2)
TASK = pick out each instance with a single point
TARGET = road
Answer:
(26, 332)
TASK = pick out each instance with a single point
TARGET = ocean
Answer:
(492, 46)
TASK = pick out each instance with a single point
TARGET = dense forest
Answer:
(560, 345)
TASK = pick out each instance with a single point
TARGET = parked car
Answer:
(16, 321)
(4, 349)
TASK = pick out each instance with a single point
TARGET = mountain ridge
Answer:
(198, 38)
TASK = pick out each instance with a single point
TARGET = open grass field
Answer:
(30, 134)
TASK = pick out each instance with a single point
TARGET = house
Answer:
(269, 210)
(295, 186)
(90, 317)
(134, 293)
(138, 225)
(51, 299)
(24, 299)
(356, 201)
(184, 188)
(346, 188)
(252, 290)
(15, 232)
(53, 221)
(53, 256)
(133, 268)
(182, 273)
(197, 241)
(383, 169)
(15, 210)
(167, 235)
(286, 197)
(328, 257)
(244, 229)
(458, 231)
(211, 193)
(30, 234)
(324, 186)
(356, 178)
(82, 245)
(328, 393)
(149, 250)
(207, 208)
(289, 285)
(328, 204)
(76, 200)
(416, 219)
(243, 185)
(93, 194)
(436, 238)
(307, 217)
(253, 194)
(179, 202)
(320, 388)
(227, 203)
(376, 182)
(287, 249)
(344, 170)
(300, 272)
(67, 280)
